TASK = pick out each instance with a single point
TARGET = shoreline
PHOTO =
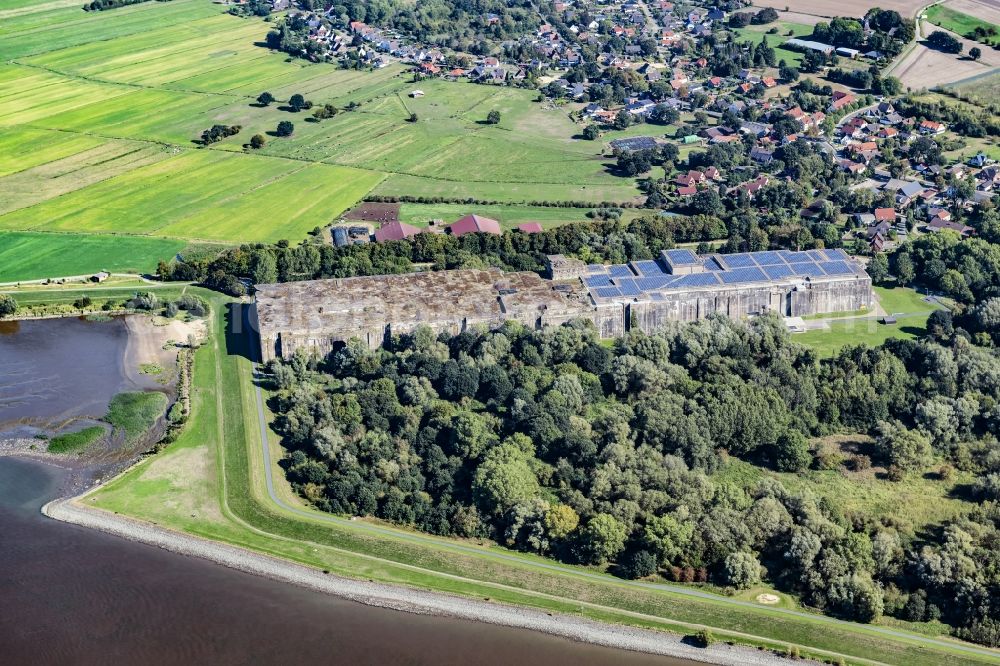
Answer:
(395, 597)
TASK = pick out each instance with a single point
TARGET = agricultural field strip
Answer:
(186, 168)
(39, 33)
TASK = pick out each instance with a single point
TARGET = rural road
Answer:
(553, 566)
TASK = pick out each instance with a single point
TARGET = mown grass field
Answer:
(209, 483)
(959, 22)
(908, 306)
(100, 113)
(754, 33)
(419, 215)
(36, 256)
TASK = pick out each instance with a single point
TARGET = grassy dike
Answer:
(209, 483)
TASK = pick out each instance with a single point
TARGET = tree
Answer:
(263, 268)
(975, 53)
(707, 202)
(297, 102)
(741, 570)
(324, 112)
(944, 42)
(878, 268)
(901, 447)
(637, 564)
(601, 540)
(591, 132)
(257, 141)
(504, 478)
(8, 306)
(622, 120)
(493, 117)
(285, 128)
(905, 270)
(791, 453)
(788, 73)
(561, 520)
(412, 119)
(265, 99)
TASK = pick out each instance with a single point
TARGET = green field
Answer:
(960, 23)
(754, 33)
(508, 216)
(100, 112)
(36, 256)
(909, 307)
(209, 483)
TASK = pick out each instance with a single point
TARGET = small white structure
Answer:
(795, 324)
(416, 93)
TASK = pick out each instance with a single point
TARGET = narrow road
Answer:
(564, 569)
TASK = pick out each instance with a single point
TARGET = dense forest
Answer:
(551, 442)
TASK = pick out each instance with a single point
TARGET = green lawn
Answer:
(509, 216)
(182, 488)
(960, 23)
(35, 256)
(754, 33)
(908, 306)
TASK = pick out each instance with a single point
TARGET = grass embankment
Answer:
(961, 23)
(210, 483)
(67, 299)
(134, 413)
(75, 441)
(906, 304)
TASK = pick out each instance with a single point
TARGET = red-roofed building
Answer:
(395, 231)
(885, 214)
(530, 227)
(472, 224)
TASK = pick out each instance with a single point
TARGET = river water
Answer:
(75, 596)
(55, 370)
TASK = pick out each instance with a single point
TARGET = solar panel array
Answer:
(681, 257)
(648, 277)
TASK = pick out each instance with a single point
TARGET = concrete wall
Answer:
(614, 319)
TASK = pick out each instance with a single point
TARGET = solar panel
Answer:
(627, 287)
(597, 268)
(648, 267)
(608, 292)
(620, 270)
(743, 275)
(738, 260)
(837, 255)
(836, 267)
(682, 257)
(778, 272)
(810, 269)
(597, 281)
(653, 283)
(797, 258)
(767, 258)
(695, 280)
(817, 255)
(713, 265)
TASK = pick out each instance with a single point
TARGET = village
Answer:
(659, 81)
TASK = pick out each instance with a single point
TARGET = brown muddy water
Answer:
(56, 370)
(75, 596)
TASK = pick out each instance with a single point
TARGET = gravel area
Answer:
(405, 599)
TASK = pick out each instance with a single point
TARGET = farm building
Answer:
(808, 45)
(471, 224)
(679, 285)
